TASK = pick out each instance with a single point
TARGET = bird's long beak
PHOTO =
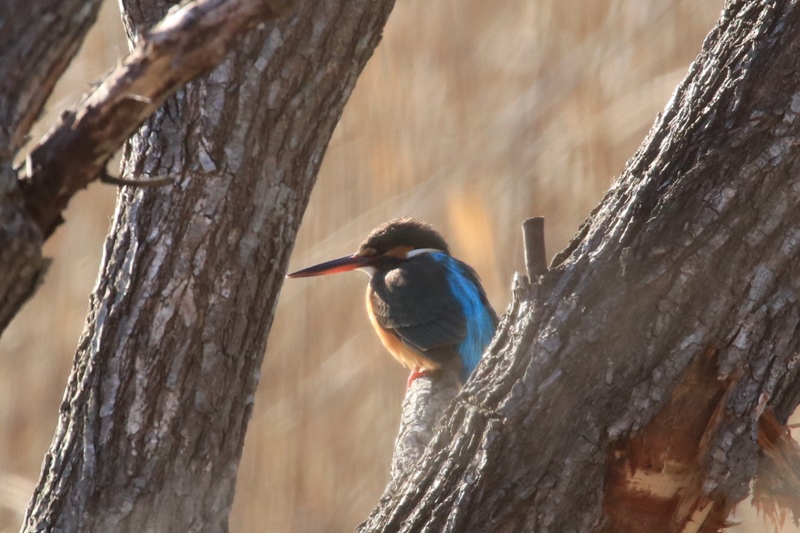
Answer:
(343, 264)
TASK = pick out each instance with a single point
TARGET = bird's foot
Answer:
(417, 373)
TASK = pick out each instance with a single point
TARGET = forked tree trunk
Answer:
(630, 387)
(153, 420)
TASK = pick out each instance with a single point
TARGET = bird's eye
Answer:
(369, 252)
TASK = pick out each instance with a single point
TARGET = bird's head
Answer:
(386, 246)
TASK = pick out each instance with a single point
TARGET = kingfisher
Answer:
(428, 308)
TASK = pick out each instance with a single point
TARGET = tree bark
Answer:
(188, 43)
(38, 40)
(154, 415)
(629, 388)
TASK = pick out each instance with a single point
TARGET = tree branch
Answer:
(38, 40)
(186, 44)
(425, 403)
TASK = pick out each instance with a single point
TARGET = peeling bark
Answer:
(153, 419)
(628, 384)
(654, 480)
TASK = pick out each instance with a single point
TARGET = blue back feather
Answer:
(480, 318)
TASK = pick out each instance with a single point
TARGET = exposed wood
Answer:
(776, 491)
(654, 478)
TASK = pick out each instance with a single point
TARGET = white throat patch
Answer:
(368, 270)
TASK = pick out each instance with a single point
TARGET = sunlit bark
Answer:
(154, 416)
(627, 386)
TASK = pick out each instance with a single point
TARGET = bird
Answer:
(428, 308)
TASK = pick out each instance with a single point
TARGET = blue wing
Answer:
(435, 305)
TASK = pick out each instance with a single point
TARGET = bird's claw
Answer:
(418, 373)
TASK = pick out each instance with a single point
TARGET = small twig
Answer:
(533, 238)
(159, 181)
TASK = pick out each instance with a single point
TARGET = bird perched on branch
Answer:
(428, 308)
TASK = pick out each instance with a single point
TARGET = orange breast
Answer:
(407, 356)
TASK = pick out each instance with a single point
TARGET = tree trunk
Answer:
(153, 419)
(629, 388)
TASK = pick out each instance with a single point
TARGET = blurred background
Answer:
(473, 115)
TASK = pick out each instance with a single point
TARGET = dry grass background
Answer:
(473, 115)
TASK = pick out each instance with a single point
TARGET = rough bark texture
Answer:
(625, 389)
(153, 419)
(38, 40)
(188, 43)
(426, 400)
